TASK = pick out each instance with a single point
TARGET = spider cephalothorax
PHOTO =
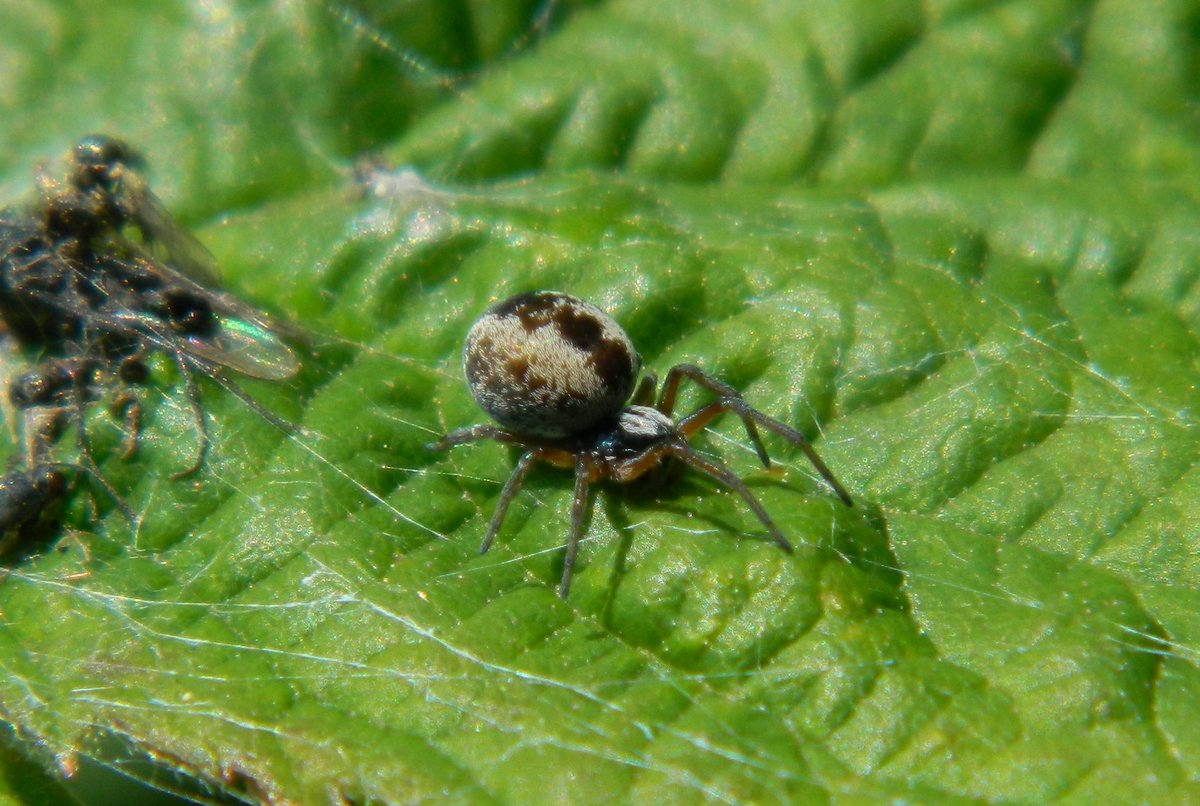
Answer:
(558, 373)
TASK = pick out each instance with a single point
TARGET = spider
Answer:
(558, 374)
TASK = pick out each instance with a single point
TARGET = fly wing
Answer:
(244, 347)
(186, 253)
(246, 340)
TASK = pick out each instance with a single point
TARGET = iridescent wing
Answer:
(245, 347)
(186, 253)
(246, 339)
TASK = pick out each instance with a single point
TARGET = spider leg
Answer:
(793, 436)
(732, 401)
(476, 433)
(638, 465)
(511, 488)
(578, 507)
(578, 513)
(685, 454)
(670, 387)
(666, 401)
(695, 422)
(644, 394)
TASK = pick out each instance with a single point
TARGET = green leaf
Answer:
(955, 244)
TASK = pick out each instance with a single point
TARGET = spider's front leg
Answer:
(684, 453)
(678, 448)
(670, 389)
(732, 401)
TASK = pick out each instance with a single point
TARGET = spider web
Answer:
(1007, 611)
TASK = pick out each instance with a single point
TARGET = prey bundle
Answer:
(95, 276)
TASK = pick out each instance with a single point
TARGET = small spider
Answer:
(558, 374)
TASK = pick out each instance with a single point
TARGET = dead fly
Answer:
(94, 277)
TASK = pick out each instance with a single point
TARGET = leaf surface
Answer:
(954, 243)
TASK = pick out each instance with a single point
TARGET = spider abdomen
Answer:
(549, 365)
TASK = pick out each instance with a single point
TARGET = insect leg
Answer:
(193, 393)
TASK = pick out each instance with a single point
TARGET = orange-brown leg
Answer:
(736, 404)
(670, 389)
(638, 465)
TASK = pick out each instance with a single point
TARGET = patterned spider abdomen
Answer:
(549, 365)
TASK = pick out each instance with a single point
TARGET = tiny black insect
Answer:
(26, 498)
(95, 276)
(557, 373)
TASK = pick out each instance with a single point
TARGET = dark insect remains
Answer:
(558, 374)
(94, 277)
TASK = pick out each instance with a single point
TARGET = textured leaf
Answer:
(955, 243)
